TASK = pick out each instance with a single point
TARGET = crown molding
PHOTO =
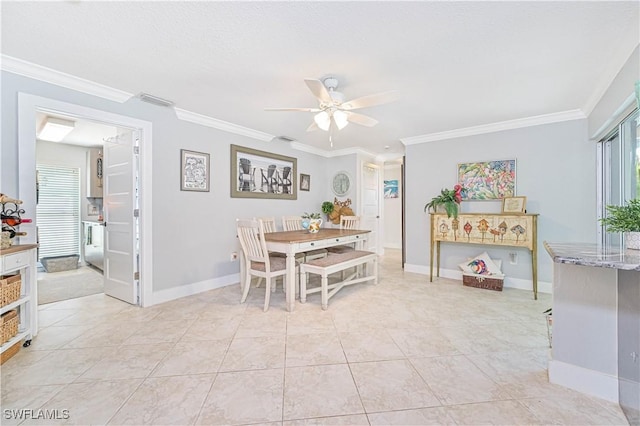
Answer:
(38, 72)
(299, 146)
(225, 126)
(537, 120)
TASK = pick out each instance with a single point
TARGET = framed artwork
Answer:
(391, 189)
(305, 182)
(194, 171)
(261, 174)
(488, 180)
(514, 205)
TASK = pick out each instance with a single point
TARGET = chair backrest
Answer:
(251, 236)
(349, 222)
(245, 166)
(291, 223)
(269, 224)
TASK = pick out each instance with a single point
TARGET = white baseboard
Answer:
(393, 246)
(169, 294)
(583, 380)
(519, 283)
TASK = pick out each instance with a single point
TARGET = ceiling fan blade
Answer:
(294, 109)
(313, 126)
(370, 100)
(361, 119)
(318, 90)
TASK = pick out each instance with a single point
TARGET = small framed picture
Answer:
(194, 171)
(305, 182)
(514, 205)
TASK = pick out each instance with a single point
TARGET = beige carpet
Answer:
(56, 286)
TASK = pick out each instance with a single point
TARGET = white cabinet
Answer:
(22, 258)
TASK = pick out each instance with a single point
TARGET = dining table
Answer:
(293, 242)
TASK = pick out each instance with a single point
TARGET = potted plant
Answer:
(327, 207)
(625, 219)
(449, 199)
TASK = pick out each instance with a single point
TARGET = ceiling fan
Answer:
(333, 111)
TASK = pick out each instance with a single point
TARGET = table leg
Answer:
(438, 255)
(291, 281)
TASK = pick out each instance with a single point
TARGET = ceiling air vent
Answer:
(284, 138)
(154, 100)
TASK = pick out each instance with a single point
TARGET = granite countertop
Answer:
(587, 254)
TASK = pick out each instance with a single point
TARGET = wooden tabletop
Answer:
(17, 248)
(304, 236)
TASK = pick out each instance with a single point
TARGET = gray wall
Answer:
(555, 167)
(619, 90)
(193, 232)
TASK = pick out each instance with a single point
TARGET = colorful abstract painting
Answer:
(488, 180)
(390, 189)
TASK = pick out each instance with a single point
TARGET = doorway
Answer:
(69, 209)
(393, 206)
(29, 106)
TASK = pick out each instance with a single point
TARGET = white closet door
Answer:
(120, 230)
(371, 204)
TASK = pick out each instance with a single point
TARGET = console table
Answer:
(496, 229)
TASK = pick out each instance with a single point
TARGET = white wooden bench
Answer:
(336, 263)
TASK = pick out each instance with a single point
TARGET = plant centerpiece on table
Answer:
(311, 222)
(449, 199)
(625, 219)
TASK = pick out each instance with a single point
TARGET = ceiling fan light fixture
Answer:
(341, 119)
(55, 129)
(323, 120)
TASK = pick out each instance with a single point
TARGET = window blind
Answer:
(58, 212)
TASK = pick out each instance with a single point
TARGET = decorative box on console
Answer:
(489, 282)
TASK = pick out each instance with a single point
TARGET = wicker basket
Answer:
(9, 322)
(10, 288)
(10, 352)
(489, 282)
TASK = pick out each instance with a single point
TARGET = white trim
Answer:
(625, 108)
(537, 120)
(307, 148)
(225, 126)
(584, 380)
(28, 105)
(393, 246)
(169, 294)
(329, 154)
(509, 282)
(38, 72)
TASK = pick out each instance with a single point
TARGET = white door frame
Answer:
(28, 106)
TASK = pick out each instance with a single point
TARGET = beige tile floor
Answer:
(404, 352)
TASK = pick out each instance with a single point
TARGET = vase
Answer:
(632, 240)
(314, 225)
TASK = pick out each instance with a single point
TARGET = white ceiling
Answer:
(455, 64)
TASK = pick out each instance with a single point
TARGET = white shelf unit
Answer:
(22, 258)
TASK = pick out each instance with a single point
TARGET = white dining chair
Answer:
(346, 222)
(294, 223)
(258, 262)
